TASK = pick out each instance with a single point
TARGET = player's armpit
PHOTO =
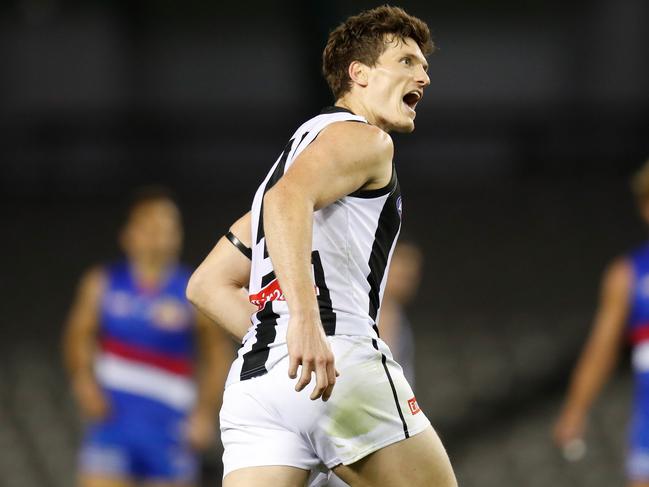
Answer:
(217, 287)
(345, 157)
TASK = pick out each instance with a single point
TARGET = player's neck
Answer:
(149, 274)
(357, 107)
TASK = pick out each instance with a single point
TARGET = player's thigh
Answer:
(639, 484)
(275, 476)
(419, 461)
(92, 480)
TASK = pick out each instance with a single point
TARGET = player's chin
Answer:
(404, 126)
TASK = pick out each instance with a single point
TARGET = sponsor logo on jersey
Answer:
(271, 292)
(414, 407)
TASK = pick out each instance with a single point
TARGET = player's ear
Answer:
(358, 73)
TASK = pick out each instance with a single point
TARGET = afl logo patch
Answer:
(169, 314)
(399, 207)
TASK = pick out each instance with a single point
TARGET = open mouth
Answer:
(412, 98)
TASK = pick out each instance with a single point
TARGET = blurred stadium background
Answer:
(515, 184)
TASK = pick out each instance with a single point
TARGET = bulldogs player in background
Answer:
(146, 369)
(623, 314)
(320, 234)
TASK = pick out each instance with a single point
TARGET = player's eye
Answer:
(406, 60)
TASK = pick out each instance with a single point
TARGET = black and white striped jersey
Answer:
(353, 240)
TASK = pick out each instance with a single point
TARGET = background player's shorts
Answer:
(126, 449)
(637, 464)
(265, 422)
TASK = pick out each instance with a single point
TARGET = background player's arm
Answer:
(79, 344)
(218, 286)
(600, 353)
(346, 156)
(215, 355)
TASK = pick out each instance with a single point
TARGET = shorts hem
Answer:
(378, 446)
(227, 471)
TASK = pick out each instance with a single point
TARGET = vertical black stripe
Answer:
(267, 279)
(254, 361)
(327, 315)
(277, 174)
(386, 232)
(394, 390)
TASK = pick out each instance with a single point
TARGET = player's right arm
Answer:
(345, 157)
(80, 341)
(218, 286)
(599, 355)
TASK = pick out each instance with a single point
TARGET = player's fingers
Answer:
(292, 366)
(305, 376)
(332, 373)
(326, 394)
(321, 381)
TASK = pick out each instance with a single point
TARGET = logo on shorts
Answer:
(414, 407)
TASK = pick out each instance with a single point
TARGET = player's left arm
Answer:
(218, 286)
(215, 354)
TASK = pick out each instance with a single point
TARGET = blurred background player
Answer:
(623, 312)
(147, 371)
(403, 282)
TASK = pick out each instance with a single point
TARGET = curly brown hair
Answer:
(362, 38)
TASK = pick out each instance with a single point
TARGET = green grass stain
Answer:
(355, 409)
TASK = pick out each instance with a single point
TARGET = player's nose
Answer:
(422, 77)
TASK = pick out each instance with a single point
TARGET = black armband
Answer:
(239, 244)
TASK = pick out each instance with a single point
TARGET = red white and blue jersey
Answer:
(146, 343)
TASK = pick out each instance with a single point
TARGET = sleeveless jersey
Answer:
(146, 338)
(353, 240)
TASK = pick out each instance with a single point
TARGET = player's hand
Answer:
(200, 429)
(308, 346)
(90, 397)
(569, 427)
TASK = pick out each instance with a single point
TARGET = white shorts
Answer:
(265, 422)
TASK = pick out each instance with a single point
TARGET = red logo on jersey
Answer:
(414, 407)
(272, 292)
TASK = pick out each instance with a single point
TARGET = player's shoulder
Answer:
(619, 273)
(93, 280)
(358, 137)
